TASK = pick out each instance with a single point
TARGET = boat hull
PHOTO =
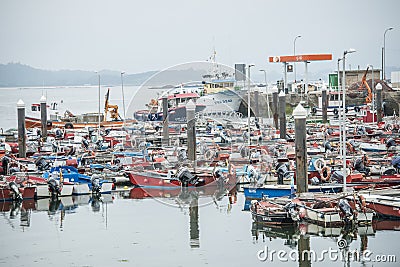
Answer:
(272, 191)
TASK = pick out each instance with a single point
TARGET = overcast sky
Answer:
(137, 36)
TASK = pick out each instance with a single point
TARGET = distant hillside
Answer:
(16, 74)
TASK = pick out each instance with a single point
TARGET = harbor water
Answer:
(169, 231)
(204, 227)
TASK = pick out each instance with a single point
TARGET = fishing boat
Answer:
(384, 206)
(272, 191)
(177, 99)
(334, 211)
(82, 184)
(10, 190)
(183, 177)
(267, 211)
(57, 119)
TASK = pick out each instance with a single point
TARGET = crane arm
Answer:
(368, 99)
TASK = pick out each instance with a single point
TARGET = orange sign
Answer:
(298, 58)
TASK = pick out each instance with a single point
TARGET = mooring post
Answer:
(282, 115)
(257, 111)
(275, 107)
(324, 106)
(43, 116)
(191, 130)
(165, 138)
(299, 114)
(379, 102)
(21, 129)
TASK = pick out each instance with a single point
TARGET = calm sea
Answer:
(78, 100)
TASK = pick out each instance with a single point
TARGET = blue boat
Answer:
(83, 184)
(271, 191)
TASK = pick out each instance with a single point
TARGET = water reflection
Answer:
(297, 237)
(187, 199)
(11, 210)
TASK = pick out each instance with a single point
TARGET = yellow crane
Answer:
(113, 109)
(368, 99)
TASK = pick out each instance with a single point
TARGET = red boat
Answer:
(10, 190)
(359, 181)
(183, 177)
(384, 206)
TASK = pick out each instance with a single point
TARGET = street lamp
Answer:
(340, 107)
(384, 53)
(123, 96)
(344, 115)
(248, 100)
(294, 53)
(265, 79)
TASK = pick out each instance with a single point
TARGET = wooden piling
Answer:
(43, 116)
(191, 130)
(379, 102)
(275, 108)
(324, 106)
(299, 114)
(21, 129)
(282, 115)
(165, 139)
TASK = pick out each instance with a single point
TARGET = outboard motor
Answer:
(85, 143)
(219, 178)
(96, 187)
(186, 177)
(16, 194)
(59, 133)
(54, 187)
(182, 155)
(42, 164)
(360, 167)
(225, 138)
(4, 163)
(327, 146)
(337, 176)
(346, 209)
(396, 163)
(283, 172)
(252, 173)
(390, 142)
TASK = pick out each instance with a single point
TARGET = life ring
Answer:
(335, 111)
(319, 164)
(328, 176)
(69, 125)
(357, 109)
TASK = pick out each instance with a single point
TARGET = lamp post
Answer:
(344, 116)
(123, 96)
(248, 100)
(265, 79)
(294, 53)
(384, 53)
(340, 108)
